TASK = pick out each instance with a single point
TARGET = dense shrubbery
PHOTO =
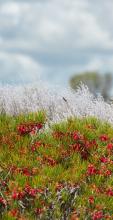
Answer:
(61, 173)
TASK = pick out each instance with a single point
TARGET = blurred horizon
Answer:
(53, 39)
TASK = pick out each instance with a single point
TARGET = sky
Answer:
(53, 39)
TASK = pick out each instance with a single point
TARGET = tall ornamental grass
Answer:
(58, 104)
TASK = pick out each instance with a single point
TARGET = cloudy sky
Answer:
(52, 39)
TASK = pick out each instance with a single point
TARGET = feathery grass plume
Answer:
(59, 105)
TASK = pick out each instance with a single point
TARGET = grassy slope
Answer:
(60, 160)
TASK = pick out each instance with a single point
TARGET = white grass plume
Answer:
(58, 104)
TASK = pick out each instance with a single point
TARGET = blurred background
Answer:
(59, 41)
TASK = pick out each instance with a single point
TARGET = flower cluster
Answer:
(27, 128)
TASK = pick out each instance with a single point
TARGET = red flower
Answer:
(26, 172)
(3, 183)
(84, 155)
(21, 129)
(104, 137)
(38, 211)
(33, 148)
(91, 200)
(109, 192)
(3, 202)
(21, 195)
(110, 146)
(108, 173)
(15, 195)
(97, 215)
(32, 192)
(76, 136)
(39, 126)
(75, 147)
(18, 195)
(27, 188)
(104, 159)
(91, 170)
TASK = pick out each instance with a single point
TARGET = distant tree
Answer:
(97, 83)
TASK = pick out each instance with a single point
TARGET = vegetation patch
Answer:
(65, 172)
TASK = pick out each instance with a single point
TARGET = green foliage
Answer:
(62, 163)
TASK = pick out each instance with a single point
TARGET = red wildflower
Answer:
(21, 195)
(84, 155)
(97, 215)
(91, 170)
(3, 183)
(91, 200)
(3, 202)
(15, 195)
(32, 192)
(39, 126)
(21, 129)
(110, 146)
(27, 188)
(75, 147)
(108, 172)
(104, 159)
(33, 148)
(104, 137)
(109, 192)
(38, 211)
(76, 136)
(26, 172)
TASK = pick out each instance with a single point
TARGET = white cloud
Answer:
(56, 25)
(62, 35)
(18, 68)
(10, 9)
